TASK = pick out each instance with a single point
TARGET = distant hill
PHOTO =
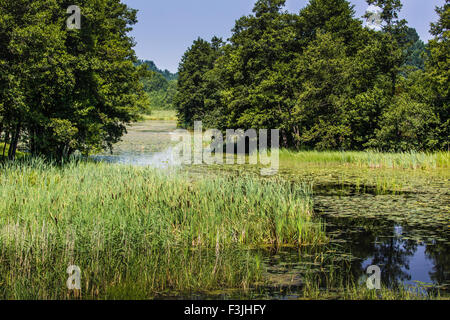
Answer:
(165, 73)
(161, 86)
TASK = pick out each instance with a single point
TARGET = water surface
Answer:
(396, 219)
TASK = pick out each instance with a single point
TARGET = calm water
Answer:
(406, 232)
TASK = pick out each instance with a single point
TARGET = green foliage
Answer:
(152, 67)
(437, 73)
(160, 91)
(297, 73)
(63, 90)
(419, 117)
(407, 125)
(416, 50)
(114, 217)
(193, 88)
(321, 78)
(160, 86)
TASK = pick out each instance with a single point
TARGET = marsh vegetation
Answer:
(142, 231)
(75, 190)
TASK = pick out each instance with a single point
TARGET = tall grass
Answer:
(161, 115)
(361, 292)
(336, 281)
(370, 159)
(138, 233)
(333, 286)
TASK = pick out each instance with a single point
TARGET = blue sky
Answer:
(166, 28)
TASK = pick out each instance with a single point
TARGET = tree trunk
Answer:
(6, 142)
(14, 142)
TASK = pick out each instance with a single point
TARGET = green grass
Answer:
(168, 115)
(333, 286)
(137, 233)
(368, 159)
(361, 292)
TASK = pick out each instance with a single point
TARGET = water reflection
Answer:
(357, 244)
(387, 245)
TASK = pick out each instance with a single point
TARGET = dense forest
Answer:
(159, 85)
(319, 75)
(323, 79)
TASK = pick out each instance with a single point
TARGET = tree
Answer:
(253, 66)
(415, 50)
(192, 91)
(437, 72)
(398, 31)
(299, 72)
(61, 89)
(321, 78)
(407, 125)
(152, 67)
(160, 91)
(159, 85)
(418, 118)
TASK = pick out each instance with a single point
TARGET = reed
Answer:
(334, 285)
(137, 233)
(368, 159)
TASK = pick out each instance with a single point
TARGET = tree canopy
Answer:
(322, 78)
(160, 86)
(64, 89)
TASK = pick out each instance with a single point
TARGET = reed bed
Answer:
(335, 284)
(369, 159)
(361, 292)
(138, 233)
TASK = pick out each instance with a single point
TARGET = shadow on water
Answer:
(355, 245)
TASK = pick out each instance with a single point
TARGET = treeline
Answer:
(323, 79)
(152, 67)
(160, 86)
(63, 90)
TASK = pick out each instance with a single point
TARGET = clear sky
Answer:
(166, 28)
